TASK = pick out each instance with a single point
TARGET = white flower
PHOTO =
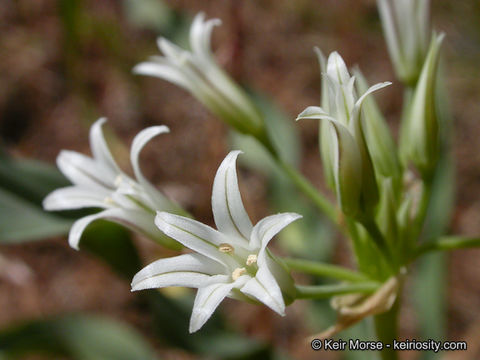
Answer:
(350, 164)
(98, 182)
(197, 72)
(406, 27)
(232, 261)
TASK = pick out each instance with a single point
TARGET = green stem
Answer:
(327, 291)
(386, 325)
(309, 190)
(302, 183)
(447, 243)
(325, 270)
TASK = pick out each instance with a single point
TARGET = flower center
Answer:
(251, 259)
(238, 272)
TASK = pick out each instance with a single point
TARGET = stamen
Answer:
(109, 201)
(238, 272)
(118, 180)
(226, 248)
(251, 259)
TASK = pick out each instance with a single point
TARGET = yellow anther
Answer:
(118, 180)
(226, 248)
(238, 272)
(251, 259)
(109, 201)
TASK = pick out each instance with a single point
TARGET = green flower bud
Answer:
(406, 27)
(421, 136)
(348, 165)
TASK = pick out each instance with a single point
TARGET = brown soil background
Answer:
(49, 95)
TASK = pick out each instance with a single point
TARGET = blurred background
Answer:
(65, 63)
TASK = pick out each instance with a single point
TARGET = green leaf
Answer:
(430, 298)
(170, 323)
(80, 337)
(23, 185)
(29, 179)
(113, 244)
(22, 221)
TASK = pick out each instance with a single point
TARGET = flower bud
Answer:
(343, 142)
(345, 159)
(406, 28)
(420, 138)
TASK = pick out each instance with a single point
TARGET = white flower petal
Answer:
(140, 140)
(99, 147)
(268, 227)
(163, 69)
(391, 32)
(189, 270)
(84, 171)
(314, 112)
(134, 220)
(200, 36)
(173, 52)
(341, 111)
(124, 197)
(350, 94)
(265, 289)
(74, 197)
(337, 69)
(207, 300)
(227, 206)
(194, 235)
(370, 90)
(323, 71)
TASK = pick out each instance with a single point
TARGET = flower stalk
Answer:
(325, 270)
(327, 291)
